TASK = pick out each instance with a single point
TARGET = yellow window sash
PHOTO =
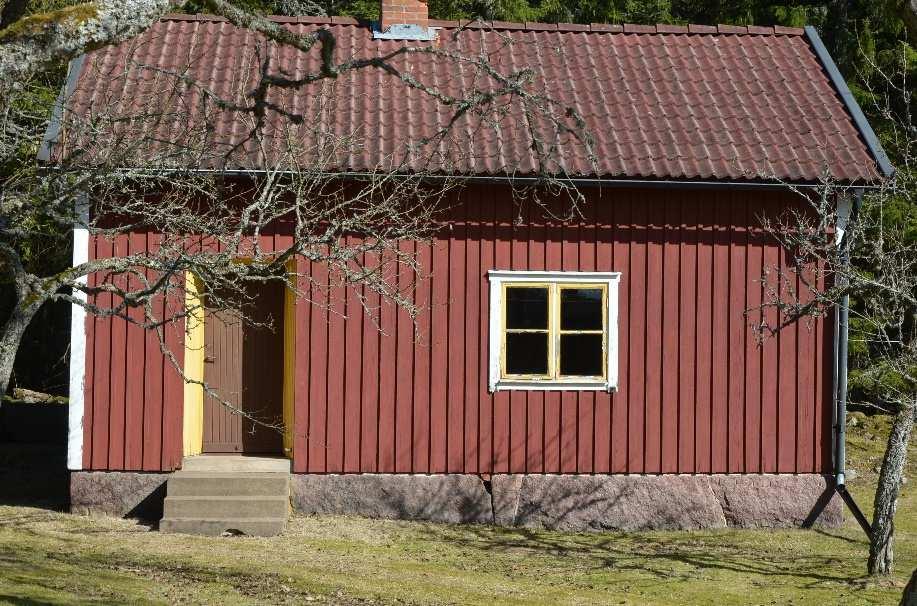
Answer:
(554, 331)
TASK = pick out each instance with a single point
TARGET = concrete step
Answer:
(236, 464)
(211, 484)
(257, 527)
(226, 507)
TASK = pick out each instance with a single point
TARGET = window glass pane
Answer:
(581, 355)
(527, 308)
(581, 309)
(526, 353)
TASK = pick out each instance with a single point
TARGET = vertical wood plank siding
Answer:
(133, 396)
(697, 394)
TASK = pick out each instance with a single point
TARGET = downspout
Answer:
(841, 339)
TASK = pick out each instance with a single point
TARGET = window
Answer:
(553, 330)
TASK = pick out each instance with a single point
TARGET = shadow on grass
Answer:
(658, 554)
(860, 539)
(662, 554)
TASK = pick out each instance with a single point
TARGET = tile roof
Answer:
(660, 102)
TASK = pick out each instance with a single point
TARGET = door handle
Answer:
(209, 359)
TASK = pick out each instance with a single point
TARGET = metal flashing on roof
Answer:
(837, 79)
(57, 114)
(404, 31)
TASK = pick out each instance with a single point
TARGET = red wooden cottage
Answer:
(597, 373)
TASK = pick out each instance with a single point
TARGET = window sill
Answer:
(528, 385)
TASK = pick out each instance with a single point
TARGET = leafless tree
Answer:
(130, 170)
(874, 266)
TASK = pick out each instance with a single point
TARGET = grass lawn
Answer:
(49, 557)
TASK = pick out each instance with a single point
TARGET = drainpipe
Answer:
(841, 335)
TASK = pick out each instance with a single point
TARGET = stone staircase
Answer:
(213, 495)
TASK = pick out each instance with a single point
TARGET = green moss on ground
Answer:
(57, 558)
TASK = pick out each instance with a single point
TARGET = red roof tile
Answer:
(697, 104)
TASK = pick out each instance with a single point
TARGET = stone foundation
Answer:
(664, 502)
(560, 502)
(578, 503)
(450, 498)
(118, 493)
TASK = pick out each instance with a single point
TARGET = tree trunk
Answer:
(910, 592)
(9, 342)
(881, 552)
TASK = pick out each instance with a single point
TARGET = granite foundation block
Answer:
(665, 502)
(449, 498)
(118, 493)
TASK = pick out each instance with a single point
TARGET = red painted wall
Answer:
(696, 393)
(132, 418)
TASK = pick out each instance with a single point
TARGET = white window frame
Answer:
(499, 278)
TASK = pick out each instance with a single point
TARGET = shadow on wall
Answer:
(578, 502)
(441, 498)
(33, 455)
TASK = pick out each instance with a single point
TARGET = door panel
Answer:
(244, 365)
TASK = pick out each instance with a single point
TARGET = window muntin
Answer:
(554, 331)
(536, 316)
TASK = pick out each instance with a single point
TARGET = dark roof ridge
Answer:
(604, 28)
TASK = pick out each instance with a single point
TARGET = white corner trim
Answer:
(499, 277)
(78, 339)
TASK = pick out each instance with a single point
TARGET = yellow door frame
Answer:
(193, 416)
(195, 346)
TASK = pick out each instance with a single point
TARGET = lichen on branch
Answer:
(38, 40)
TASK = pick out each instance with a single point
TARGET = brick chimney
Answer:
(404, 20)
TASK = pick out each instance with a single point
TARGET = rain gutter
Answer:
(509, 180)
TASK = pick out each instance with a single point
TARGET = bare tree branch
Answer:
(38, 40)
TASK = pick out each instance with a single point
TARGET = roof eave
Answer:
(579, 181)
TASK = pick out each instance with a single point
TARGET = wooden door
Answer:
(244, 365)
